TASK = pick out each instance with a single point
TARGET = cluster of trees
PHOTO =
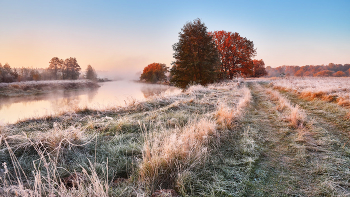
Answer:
(58, 70)
(7, 75)
(330, 70)
(203, 57)
(64, 69)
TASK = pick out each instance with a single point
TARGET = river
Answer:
(110, 94)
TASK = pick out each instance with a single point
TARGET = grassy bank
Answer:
(227, 139)
(42, 87)
(173, 143)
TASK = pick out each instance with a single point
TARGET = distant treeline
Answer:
(58, 69)
(330, 70)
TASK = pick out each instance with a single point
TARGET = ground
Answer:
(226, 139)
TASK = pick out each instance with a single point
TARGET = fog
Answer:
(110, 94)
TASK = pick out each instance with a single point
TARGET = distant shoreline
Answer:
(158, 83)
(18, 89)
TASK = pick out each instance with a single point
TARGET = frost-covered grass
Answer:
(123, 151)
(331, 85)
(332, 89)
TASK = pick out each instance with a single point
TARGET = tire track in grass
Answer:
(331, 132)
(293, 161)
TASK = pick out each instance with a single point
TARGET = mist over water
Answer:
(110, 94)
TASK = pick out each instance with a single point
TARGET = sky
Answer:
(122, 37)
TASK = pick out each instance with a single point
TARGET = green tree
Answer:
(196, 57)
(90, 73)
(154, 72)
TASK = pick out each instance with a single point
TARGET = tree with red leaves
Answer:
(235, 53)
(259, 68)
(154, 72)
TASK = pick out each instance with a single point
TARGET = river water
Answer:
(110, 94)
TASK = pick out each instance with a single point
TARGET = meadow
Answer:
(246, 138)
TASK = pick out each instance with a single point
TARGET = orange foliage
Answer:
(154, 72)
(259, 68)
(235, 53)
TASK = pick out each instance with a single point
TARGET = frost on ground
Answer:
(122, 151)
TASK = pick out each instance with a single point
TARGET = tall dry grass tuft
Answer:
(46, 180)
(225, 115)
(52, 140)
(168, 153)
(297, 117)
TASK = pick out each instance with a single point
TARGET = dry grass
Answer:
(225, 116)
(297, 117)
(149, 144)
(168, 153)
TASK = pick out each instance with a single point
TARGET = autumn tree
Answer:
(55, 67)
(324, 73)
(258, 68)
(235, 53)
(196, 56)
(339, 74)
(90, 73)
(70, 69)
(154, 72)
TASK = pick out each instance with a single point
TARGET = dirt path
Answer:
(313, 161)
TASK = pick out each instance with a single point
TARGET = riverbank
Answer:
(166, 142)
(27, 88)
(226, 139)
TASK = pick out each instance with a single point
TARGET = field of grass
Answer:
(226, 139)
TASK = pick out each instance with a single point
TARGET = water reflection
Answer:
(110, 94)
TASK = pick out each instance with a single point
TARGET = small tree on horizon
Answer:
(90, 73)
(71, 69)
(259, 68)
(196, 56)
(55, 67)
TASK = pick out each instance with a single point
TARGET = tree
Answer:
(90, 73)
(339, 74)
(55, 67)
(7, 74)
(324, 73)
(196, 56)
(154, 72)
(259, 68)
(70, 69)
(235, 52)
(35, 75)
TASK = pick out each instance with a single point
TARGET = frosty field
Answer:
(228, 139)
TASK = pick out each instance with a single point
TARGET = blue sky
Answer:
(125, 36)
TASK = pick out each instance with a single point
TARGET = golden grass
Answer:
(225, 116)
(297, 117)
(167, 153)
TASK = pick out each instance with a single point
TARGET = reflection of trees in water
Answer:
(92, 93)
(66, 103)
(153, 90)
(71, 100)
(52, 97)
(8, 101)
